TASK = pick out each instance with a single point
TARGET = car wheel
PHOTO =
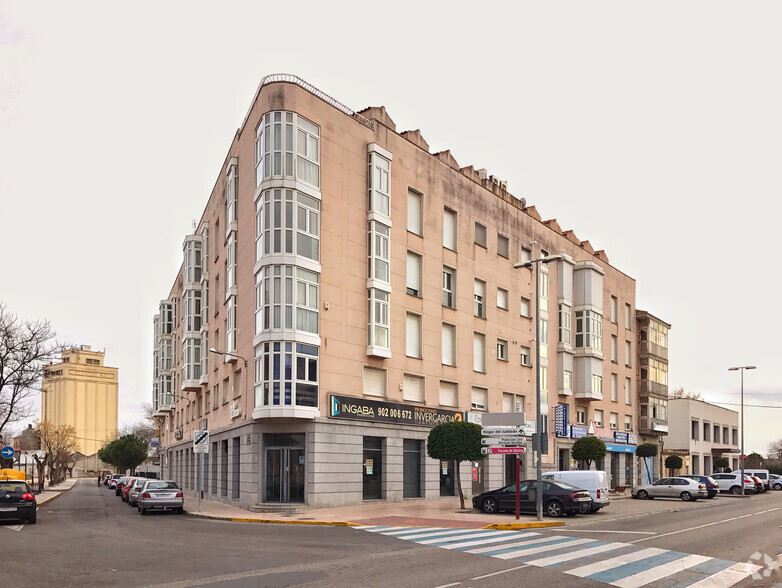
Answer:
(142, 511)
(489, 505)
(554, 508)
(686, 496)
(32, 519)
(642, 494)
(735, 490)
(777, 486)
(596, 509)
(181, 510)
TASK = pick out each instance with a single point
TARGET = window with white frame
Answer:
(479, 299)
(525, 356)
(614, 388)
(513, 402)
(295, 384)
(192, 315)
(379, 255)
(543, 292)
(502, 350)
(614, 309)
(379, 197)
(306, 300)
(412, 388)
(543, 338)
(374, 382)
(413, 274)
(283, 292)
(597, 385)
(413, 336)
(480, 234)
(449, 287)
(479, 398)
(628, 353)
(581, 416)
(543, 372)
(525, 255)
(378, 328)
(502, 298)
(628, 317)
(449, 344)
(230, 325)
(628, 422)
(230, 261)
(564, 324)
(449, 229)
(414, 210)
(598, 417)
(230, 196)
(628, 391)
(526, 308)
(193, 259)
(278, 137)
(613, 421)
(287, 221)
(479, 352)
(449, 393)
(191, 359)
(503, 246)
(589, 330)
(614, 348)
(204, 353)
(307, 226)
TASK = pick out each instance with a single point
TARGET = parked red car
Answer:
(126, 488)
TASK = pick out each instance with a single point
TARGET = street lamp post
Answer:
(538, 416)
(741, 368)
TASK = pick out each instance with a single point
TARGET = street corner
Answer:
(527, 525)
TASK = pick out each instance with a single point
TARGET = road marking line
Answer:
(659, 572)
(608, 564)
(542, 549)
(449, 585)
(394, 531)
(483, 550)
(421, 533)
(500, 572)
(695, 528)
(602, 531)
(727, 577)
(462, 545)
(556, 559)
(16, 528)
(442, 541)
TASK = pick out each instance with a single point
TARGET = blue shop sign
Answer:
(614, 448)
(620, 437)
(577, 432)
(560, 420)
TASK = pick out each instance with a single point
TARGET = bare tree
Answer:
(680, 393)
(24, 348)
(59, 443)
(775, 449)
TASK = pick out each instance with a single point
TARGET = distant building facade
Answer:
(357, 290)
(702, 432)
(27, 440)
(82, 392)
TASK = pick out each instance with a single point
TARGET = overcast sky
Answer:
(650, 129)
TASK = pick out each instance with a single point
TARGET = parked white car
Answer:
(762, 474)
(595, 481)
(683, 488)
(730, 483)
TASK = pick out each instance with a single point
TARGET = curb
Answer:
(48, 500)
(272, 521)
(517, 526)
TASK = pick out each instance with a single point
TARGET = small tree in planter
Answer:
(589, 449)
(673, 463)
(458, 441)
(721, 463)
(647, 450)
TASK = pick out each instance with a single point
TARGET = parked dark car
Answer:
(760, 487)
(559, 498)
(119, 485)
(17, 501)
(711, 484)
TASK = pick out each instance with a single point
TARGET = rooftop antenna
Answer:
(194, 225)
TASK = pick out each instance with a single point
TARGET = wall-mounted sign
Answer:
(444, 465)
(576, 432)
(560, 420)
(659, 427)
(234, 410)
(369, 466)
(361, 409)
(632, 438)
(620, 436)
(614, 448)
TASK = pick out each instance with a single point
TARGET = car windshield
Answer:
(162, 486)
(14, 487)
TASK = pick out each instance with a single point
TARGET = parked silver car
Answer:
(161, 494)
(776, 481)
(135, 490)
(677, 487)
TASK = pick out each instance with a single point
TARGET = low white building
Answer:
(705, 431)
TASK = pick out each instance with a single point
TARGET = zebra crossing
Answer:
(618, 564)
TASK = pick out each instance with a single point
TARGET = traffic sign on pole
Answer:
(7, 452)
(504, 450)
(501, 431)
(201, 442)
(515, 441)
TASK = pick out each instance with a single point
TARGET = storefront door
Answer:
(284, 468)
(373, 468)
(615, 479)
(447, 473)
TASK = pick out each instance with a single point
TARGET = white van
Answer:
(596, 481)
(762, 474)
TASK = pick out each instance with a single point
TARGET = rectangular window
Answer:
(564, 324)
(567, 380)
(480, 235)
(613, 421)
(449, 394)
(694, 430)
(614, 388)
(628, 317)
(598, 418)
(503, 246)
(479, 352)
(589, 330)
(378, 328)
(449, 287)
(597, 385)
(413, 388)
(479, 398)
(543, 372)
(502, 350)
(449, 344)
(378, 264)
(479, 299)
(307, 227)
(502, 298)
(449, 229)
(628, 422)
(707, 432)
(414, 224)
(374, 382)
(628, 391)
(379, 173)
(413, 338)
(230, 325)
(614, 348)
(513, 402)
(413, 274)
(735, 437)
(525, 356)
(306, 300)
(526, 308)
(613, 309)
(543, 292)
(581, 416)
(543, 338)
(525, 255)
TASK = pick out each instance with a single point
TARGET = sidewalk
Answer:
(52, 492)
(413, 513)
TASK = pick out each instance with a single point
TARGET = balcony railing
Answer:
(647, 348)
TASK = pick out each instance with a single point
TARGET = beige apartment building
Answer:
(356, 290)
(82, 392)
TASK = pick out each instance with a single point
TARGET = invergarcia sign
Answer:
(361, 409)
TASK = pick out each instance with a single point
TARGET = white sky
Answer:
(651, 129)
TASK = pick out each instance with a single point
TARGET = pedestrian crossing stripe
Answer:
(619, 564)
